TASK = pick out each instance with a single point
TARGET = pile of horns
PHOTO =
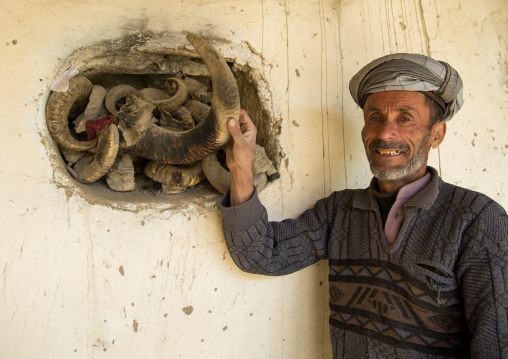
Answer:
(176, 130)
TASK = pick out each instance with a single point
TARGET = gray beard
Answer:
(405, 171)
(402, 172)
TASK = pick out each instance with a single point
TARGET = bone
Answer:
(220, 178)
(197, 90)
(120, 177)
(71, 156)
(134, 117)
(263, 164)
(93, 109)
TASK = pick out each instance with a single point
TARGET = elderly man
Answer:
(418, 268)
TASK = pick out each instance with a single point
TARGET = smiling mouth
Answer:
(388, 153)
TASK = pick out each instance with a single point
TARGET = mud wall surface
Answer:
(151, 277)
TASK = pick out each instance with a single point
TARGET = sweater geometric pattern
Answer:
(381, 301)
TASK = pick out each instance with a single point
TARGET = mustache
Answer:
(379, 144)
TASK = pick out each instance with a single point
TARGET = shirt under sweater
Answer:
(440, 290)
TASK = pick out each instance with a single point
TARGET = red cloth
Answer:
(94, 127)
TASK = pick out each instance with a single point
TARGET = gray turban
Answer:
(410, 72)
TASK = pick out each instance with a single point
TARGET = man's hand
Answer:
(240, 152)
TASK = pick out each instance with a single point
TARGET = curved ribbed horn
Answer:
(190, 146)
(107, 150)
(57, 113)
(177, 100)
(115, 94)
(162, 100)
(175, 179)
(184, 116)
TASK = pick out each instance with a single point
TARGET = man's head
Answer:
(406, 98)
(398, 134)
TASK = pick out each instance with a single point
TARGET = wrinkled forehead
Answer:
(395, 100)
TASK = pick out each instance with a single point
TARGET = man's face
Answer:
(397, 135)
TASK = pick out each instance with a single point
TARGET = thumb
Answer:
(234, 129)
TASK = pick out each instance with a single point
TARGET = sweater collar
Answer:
(423, 199)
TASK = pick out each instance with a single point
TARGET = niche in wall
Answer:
(148, 60)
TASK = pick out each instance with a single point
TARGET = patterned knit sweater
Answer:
(441, 290)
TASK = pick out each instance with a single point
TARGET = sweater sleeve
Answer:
(483, 272)
(275, 248)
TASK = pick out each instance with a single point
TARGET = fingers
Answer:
(240, 149)
(244, 117)
(244, 126)
(246, 123)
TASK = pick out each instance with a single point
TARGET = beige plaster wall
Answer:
(148, 280)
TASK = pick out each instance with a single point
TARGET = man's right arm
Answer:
(240, 152)
(256, 244)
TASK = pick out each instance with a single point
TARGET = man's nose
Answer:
(387, 131)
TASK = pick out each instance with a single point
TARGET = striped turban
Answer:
(410, 72)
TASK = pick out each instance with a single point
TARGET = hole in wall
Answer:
(147, 61)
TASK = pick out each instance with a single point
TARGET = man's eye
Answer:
(375, 119)
(406, 119)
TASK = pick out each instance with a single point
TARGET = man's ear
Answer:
(438, 132)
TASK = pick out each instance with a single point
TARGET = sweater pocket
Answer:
(437, 276)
